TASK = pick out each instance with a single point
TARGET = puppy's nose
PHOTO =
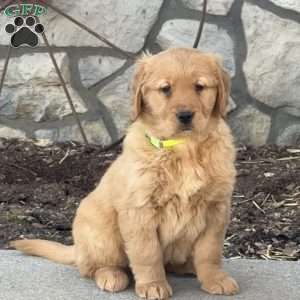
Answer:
(185, 117)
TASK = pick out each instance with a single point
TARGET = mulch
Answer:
(41, 187)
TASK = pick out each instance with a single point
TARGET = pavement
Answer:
(31, 278)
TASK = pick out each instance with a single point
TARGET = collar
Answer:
(163, 144)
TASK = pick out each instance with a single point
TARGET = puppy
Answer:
(164, 204)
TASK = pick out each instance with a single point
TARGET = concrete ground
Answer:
(31, 278)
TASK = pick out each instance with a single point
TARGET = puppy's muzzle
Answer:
(185, 117)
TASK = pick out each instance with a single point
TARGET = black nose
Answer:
(185, 117)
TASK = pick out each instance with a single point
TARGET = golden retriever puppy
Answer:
(164, 204)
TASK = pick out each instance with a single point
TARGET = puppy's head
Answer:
(179, 91)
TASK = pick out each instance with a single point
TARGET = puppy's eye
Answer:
(166, 89)
(199, 87)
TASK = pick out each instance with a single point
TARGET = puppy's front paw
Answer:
(220, 284)
(154, 290)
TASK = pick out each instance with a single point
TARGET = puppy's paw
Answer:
(154, 290)
(220, 284)
(111, 279)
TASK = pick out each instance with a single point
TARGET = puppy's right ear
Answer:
(138, 82)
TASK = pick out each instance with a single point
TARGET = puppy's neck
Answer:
(136, 140)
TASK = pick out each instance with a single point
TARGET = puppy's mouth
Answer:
(186, 128)
(184, 131)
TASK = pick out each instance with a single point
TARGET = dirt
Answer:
(41, 187)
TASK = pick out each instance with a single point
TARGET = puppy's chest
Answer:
(179, 196)
(177, 179)
(179, 220)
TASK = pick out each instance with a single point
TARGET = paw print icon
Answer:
(24, 32)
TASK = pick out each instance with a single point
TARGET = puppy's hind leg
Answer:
(112, 279)
(99, 248)
(108, 271)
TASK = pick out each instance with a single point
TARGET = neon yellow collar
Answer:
(163, 144)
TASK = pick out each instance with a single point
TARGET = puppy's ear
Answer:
(138, 81)
(223, 91)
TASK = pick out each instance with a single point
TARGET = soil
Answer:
(41, 187)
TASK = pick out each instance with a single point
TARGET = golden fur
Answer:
(158, 209)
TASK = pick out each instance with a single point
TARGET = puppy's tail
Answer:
(54, 251)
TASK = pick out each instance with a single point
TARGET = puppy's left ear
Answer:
(224, 85)
(138, 81)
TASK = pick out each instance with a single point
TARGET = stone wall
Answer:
(259, 41)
